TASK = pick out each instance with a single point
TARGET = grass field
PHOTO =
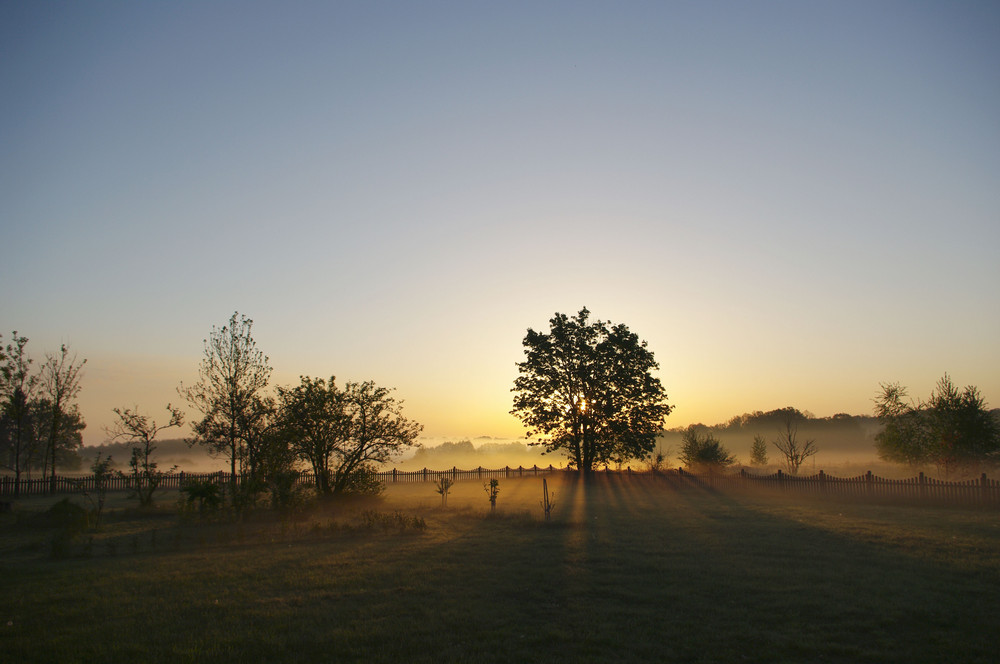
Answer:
(628, 569)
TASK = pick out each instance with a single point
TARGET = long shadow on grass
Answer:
(646, 569)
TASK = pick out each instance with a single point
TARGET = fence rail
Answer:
(77, 483)
(982, 491)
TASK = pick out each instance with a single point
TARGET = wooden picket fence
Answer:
(982, 491)
(80, 483)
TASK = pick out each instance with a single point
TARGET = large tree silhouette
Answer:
(587, 388)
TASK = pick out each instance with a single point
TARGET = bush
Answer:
(284, 493)
(68, 515)
(363, 481)
(206, 493)
(704, 451)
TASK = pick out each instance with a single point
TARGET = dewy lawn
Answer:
(628, 569)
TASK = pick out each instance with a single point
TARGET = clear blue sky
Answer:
(790, 201)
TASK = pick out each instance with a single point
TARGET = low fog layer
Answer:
(485, 452)
(841, 439)
(846, 446)
(433, 454)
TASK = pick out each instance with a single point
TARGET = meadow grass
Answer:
(628, 569)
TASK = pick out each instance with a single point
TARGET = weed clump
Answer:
(386, 521)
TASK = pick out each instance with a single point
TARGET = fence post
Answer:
(454, 472)
(822, 482)
(393, 475)
(983, 483)
(425, 473)
(922, 485)
(506, 472)
(869, 482)
(535, 469)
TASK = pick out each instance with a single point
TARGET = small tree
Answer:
(443, 486)
(101, 468)
(229, 395)
(492, 488)
(140, 432)
(60, 385)
(343, 433)
(704, 451)
(794, 452)
(758, 451)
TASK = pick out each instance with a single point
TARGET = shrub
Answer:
(363, 481)
(68, 515)
(206, 493)
(703, 450)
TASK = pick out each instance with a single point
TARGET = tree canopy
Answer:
(588, 388)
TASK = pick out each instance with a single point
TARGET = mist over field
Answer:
(485, 451)
(843, 440)
(846, 446)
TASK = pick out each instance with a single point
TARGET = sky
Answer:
(791, 202)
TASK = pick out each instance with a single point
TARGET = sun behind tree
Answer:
(587, 388)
